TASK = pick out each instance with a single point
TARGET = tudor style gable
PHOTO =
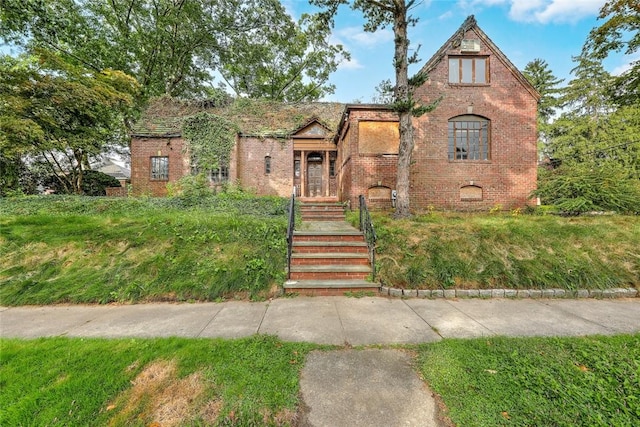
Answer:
(483, 134)
(474, 151)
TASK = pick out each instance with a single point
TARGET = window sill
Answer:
(470, 161)
(469, 84)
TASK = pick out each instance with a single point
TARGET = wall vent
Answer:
(470, 45)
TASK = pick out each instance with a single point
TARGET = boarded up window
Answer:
(471, 192)
(378, 137)
(379, 193)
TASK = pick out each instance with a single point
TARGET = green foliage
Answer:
(61, 113)
(175, 47)
(252, 381)
(282, 61)
(596, 143)
(191, 190)
(576, 188)
(504, 250)
(95, 182)
(211, 139)
(620, 32)
(543, 80)
(536, 381)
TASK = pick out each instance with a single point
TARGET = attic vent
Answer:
(470, 45)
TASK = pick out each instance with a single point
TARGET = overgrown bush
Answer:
(576, 188)
(190, 189)
(94, 183)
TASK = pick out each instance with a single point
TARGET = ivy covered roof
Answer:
(164, 116)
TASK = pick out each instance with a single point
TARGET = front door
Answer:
(314, 179)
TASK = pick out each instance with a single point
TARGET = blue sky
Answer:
(553, 30)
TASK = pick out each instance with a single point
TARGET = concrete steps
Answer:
(329, 256)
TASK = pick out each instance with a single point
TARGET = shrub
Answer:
(94, 183)
(579, 188)
(190, 189)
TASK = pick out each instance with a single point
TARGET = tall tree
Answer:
(282, 61)
(60, 113)
(174, 46)
(542, 78)
(596, 144)
(619, 33)
(379, 14)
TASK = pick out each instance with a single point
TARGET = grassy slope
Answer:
(98, 250)
(443, 250)
(102, 250)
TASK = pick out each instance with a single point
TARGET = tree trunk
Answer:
(402, 96)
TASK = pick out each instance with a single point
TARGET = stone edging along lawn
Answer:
(510, 293)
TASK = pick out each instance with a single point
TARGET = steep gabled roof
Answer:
(456, 39)
(164, 116)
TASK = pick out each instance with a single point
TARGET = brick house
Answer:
(476, 150)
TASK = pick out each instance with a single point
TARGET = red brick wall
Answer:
(250, 154)
(116, 191)
(507, 179)
(363, 171)
(509, 176)
(142, 149)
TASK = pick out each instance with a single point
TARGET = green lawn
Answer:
(590, 381)
(59, 381)
(507, 250)
(99, 250)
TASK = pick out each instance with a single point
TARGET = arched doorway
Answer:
(314, 175)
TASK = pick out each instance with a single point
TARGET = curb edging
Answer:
(509, 293)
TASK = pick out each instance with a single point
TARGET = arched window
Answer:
(267, 165)
(469, 138)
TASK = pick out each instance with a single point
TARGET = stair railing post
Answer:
(366, 226)
(290, 227)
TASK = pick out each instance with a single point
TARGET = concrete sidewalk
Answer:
(370, 387)
(331, 320)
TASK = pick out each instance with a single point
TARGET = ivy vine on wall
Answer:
(210, 139)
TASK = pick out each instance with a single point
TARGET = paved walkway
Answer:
(331, 320)
(370, 387)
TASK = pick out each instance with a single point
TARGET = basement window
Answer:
(267, 165)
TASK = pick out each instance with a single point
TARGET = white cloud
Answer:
(350, 64)
(568, 10)
(445, 15)
(630, 61)
(542, 11)
(357, 36)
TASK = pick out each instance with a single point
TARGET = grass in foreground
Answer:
(100, 250)
(59, 381)
(592, 381)
(513, 251)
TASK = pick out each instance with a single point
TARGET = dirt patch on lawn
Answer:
(159, 398)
